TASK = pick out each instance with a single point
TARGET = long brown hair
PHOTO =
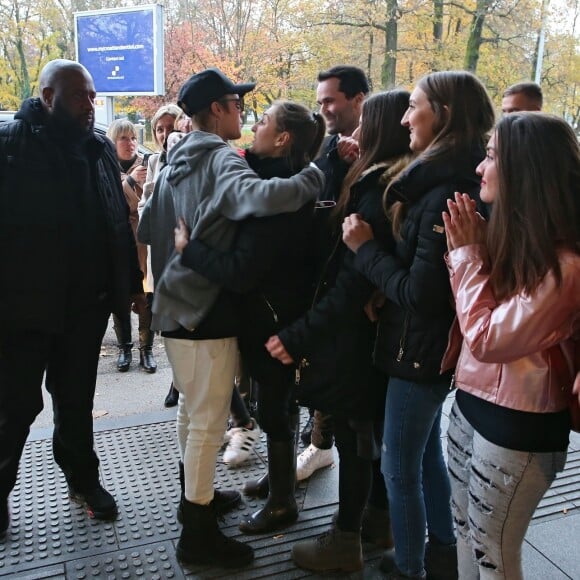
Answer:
(537, 207)
(381, 138)
(464, 117)
(463, 109)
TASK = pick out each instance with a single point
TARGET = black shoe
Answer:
(225, 501)
(440, 560)
(306, 435)
(125, 357)
(257, 487)
(172, 397)
(99, 502)
(388, 566)
(202, 542)
(4, 518)
(146, 359)
(280, 510)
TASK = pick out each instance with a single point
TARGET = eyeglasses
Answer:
(239, 103)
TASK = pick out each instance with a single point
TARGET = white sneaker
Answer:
(312, 459)
(241, 443)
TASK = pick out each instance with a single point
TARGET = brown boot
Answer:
(334, 550)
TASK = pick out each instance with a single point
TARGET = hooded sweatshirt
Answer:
(211, 186)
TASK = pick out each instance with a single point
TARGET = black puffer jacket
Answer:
(268, 272)
(415, 322)
(65, 236)
(333, 341)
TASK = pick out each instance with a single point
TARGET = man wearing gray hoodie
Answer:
(210, 186)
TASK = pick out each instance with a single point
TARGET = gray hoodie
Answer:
(211, 186)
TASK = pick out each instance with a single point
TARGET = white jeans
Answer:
(203, 373)
(494, 493)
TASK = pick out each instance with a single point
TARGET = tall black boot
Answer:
(202, 542)
(260, 488)
(146, 358)
(280, 509)
(224, 501)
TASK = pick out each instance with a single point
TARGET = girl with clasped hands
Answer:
(516, 284)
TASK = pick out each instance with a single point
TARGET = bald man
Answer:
(67, 259)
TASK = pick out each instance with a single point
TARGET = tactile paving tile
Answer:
(153, 562)
(139, 465)
(51, 537)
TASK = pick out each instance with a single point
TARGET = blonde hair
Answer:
(120, 128)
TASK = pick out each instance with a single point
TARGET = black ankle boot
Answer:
(259, 488)
(146, 359)
(202, 542)
(224, 501)
(172, 397)
(440, 560)
(280, 509)
(125, 357)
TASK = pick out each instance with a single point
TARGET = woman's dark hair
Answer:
(463, 109)
(306, 131)
(381, 137)
(537, 207)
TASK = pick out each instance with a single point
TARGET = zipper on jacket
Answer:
(274, 314)
(403, 339)
(298, 372)
(323, 273)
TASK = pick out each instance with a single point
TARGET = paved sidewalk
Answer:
(50, 537)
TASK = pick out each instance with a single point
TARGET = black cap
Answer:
(207, 86)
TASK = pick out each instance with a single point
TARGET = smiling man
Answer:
(68, 259)
(340, 94)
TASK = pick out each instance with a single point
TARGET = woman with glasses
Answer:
(133, 174)
(209, 185)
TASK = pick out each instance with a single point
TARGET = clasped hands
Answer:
(463, 224)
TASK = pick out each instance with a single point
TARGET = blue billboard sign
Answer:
(122, 49)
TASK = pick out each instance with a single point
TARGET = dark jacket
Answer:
(269, 268)
(334, 168)
(415, 322)
(65, 238)
(333, 341)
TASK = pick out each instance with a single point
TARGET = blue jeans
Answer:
(414, 470)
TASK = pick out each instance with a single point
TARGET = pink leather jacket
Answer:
(522, 353)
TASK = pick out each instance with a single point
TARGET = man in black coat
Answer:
(68, 259)
(340, 93)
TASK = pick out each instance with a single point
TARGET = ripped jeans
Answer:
(494, 492)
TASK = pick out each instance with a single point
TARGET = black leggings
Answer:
(354, 477)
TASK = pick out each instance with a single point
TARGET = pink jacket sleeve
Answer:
(522, 325)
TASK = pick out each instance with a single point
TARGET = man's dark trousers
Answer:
(70, 360)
